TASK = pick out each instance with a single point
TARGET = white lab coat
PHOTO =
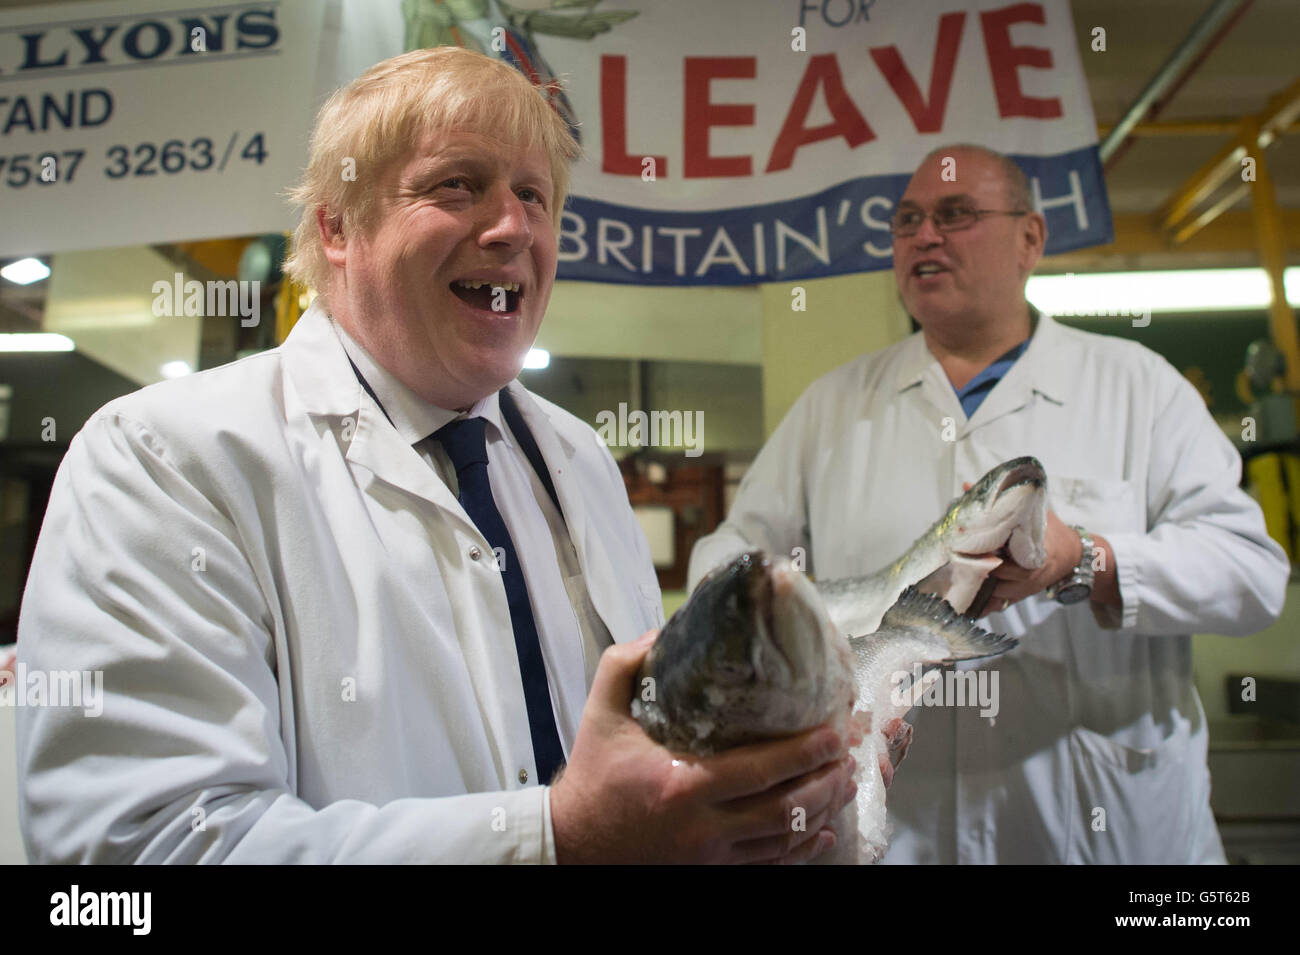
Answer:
(301, 661)
(1098, 753)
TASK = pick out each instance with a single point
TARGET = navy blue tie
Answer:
(466, 445)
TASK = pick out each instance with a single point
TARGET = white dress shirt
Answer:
(570, 632)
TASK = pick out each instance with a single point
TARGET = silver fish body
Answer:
(1005, 511)
(919, 630)
(753, 655)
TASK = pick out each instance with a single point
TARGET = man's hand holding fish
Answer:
(625, 798)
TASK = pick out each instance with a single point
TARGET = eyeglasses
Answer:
(946, 219)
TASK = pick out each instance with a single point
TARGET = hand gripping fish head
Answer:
(753, 655)
(1003, 514)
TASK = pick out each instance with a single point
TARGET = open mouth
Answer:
(1026, 471)
(770, 586)
(497, 298)
(925, 270)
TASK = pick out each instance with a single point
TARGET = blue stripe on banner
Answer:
(840, 230)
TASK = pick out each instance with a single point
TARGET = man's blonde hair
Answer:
(381, 116)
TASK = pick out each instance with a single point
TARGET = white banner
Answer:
(165, 123)
(725, 141)
(735, 142)
(742, 141)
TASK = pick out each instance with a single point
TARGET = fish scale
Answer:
(918, 629)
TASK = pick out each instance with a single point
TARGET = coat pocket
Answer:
(1096, 504)
(1136, 806)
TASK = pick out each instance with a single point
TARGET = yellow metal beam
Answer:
(1202, 184)
(1271, 243)
(1226, 202)
(292, 300)
(1256, 133)
(1231, 232)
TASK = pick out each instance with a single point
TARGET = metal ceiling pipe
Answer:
(1203, 34)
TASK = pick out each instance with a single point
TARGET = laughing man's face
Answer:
(448, 287)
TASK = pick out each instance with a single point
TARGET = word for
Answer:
(837, 13)
(660, 429)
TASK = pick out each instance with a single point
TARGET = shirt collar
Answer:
(414, 418)
(995, 371)
(1038, 359)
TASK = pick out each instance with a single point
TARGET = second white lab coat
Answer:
(1098, 751)
(302, 660)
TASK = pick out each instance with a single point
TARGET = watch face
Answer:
(1073, 593)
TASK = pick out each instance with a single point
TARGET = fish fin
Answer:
(966, 639)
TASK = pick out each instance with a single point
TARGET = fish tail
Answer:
(966, 639)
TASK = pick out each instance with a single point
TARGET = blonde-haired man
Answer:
(348, 596)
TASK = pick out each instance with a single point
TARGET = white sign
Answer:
(743, 141)
(735, 142)
(168, 122)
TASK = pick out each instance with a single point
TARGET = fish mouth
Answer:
(1013, 532)
(1021, 471)
(769, 587)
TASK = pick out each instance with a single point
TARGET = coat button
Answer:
(475, 553)
(523, 776)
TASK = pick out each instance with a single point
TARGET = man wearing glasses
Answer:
(1093, 746)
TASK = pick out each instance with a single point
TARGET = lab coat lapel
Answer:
(598, 569)
(320, 372)
(377, 447)
(1013, 392)
(920, 374)
(1035, 372)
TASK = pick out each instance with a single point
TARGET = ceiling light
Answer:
(537, 358)
(35, 341)
(1133, 293)
(176, 369)
(25, 271)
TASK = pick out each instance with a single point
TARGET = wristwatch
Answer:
(1078, 585)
